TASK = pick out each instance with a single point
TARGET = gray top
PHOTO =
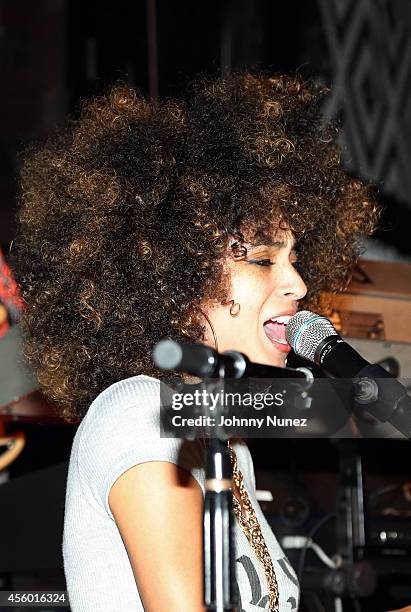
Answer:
(122, 429)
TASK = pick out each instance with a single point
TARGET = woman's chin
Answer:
(276, 359)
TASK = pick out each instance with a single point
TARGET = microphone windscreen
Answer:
(305, 331)
(167, 354)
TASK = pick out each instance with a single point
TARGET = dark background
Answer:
(55, 53)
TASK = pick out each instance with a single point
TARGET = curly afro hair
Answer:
(127, 214)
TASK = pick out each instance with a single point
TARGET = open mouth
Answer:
(275, 328)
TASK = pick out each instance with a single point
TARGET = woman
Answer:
(201, 220)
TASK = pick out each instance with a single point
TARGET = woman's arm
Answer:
(158, 510)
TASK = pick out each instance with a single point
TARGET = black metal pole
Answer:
(218, 533)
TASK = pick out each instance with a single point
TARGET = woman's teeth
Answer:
(283, 319)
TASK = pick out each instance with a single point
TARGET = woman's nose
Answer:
(292, 284)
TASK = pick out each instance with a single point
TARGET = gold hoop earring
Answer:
(234, 307)
(212, 329)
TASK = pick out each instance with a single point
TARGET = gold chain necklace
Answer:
(251, 527)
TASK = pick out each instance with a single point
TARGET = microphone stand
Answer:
(201, 361)
(218, 525)
(220, 592)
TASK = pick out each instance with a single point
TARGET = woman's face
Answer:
(266, 285)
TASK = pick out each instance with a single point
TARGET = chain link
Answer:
(251, 527)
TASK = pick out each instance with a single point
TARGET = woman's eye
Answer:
(261, 262)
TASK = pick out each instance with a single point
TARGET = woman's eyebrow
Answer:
(278, 244)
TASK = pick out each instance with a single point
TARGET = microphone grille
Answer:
(306, 330)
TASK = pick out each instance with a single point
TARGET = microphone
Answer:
(203, 361)
(313, 337)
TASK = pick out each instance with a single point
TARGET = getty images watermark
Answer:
(213, 402)
(262, 408)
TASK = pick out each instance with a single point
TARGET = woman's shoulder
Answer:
(138, 392)
(126, 410)
(132, 389)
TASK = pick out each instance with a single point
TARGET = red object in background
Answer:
(9, 298)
